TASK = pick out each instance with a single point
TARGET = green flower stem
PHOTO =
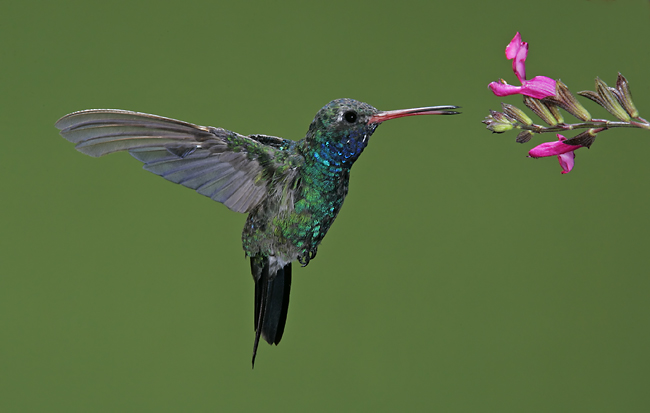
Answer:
(594, 123)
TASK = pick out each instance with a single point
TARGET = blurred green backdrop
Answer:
(460, 276)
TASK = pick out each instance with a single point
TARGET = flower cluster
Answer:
(545, 96)
(538, 87)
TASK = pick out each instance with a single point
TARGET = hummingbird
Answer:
(291, 190)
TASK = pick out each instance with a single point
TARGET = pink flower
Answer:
(564, 152)
(538, 87)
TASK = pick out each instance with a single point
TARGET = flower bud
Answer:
(516, 114)
(524, 136)
(605, 98)
(625, 97)
(585, 138)
(497, 122)
(540, 110)
(555, 110)
(565, 99)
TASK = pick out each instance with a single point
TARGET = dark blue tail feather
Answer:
(271, 301)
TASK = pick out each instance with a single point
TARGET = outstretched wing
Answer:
(220, 164)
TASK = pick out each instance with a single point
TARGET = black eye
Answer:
(350, 116)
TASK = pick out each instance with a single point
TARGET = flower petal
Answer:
(513, 47)
(504, 89)
(567, 160)
(519, 62)
(552, 148)
(538, 87)
(517, 52)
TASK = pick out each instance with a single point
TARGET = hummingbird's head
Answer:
(340, 131)
(342, 118)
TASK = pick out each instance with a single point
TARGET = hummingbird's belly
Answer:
(291, 224)
(289, 235)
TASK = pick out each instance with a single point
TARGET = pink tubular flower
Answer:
(538, 87)
(564, 152)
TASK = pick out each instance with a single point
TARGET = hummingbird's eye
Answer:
(350, 116)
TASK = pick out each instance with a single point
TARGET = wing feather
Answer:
(220, 164)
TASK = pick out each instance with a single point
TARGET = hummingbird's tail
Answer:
(272, 287)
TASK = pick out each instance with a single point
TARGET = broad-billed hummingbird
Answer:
(291, 190)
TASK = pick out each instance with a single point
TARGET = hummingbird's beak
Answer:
(429, 110)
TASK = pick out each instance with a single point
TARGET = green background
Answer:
(460, 276)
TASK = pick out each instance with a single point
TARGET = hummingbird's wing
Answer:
(228, 167)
